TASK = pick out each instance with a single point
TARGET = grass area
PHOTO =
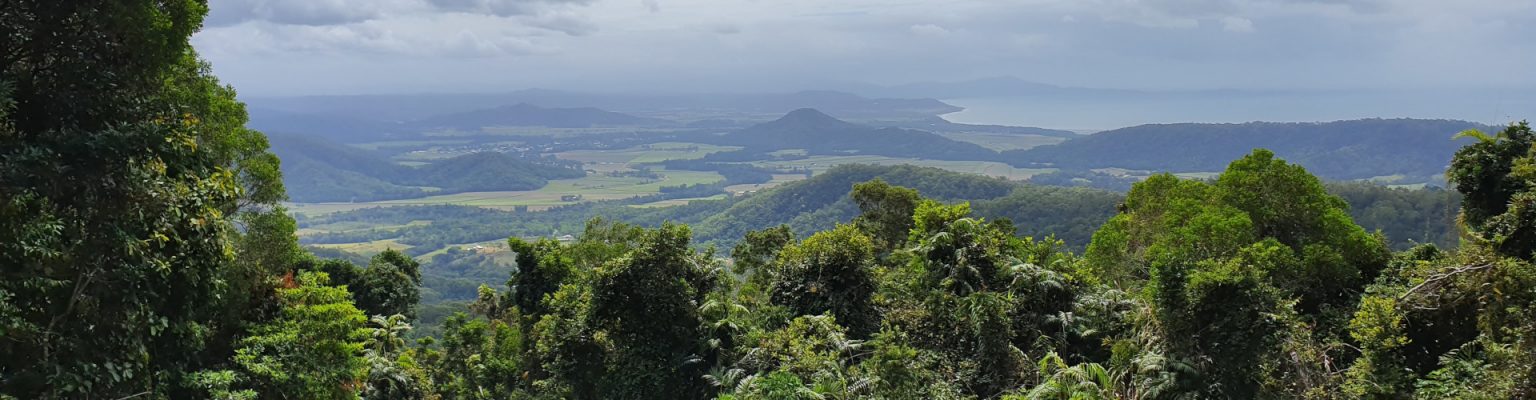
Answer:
(497, 247)
(1144, 174)
(818, 164)
(368, 249)
(1000, 142)
(590, 188)
(351, 226)
(676, 202)
(788, 152)
(649, 153)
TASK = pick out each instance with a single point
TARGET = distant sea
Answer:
(1087, 114)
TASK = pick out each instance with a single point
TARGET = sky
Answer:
(305, 47)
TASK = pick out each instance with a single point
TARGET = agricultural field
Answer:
(593, 187)
(352, 226)
(647, 153)
(366, 248)
(817, 164)
(1143, 174)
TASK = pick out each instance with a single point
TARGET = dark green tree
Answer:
(830, 272)
(124, 168)
(646, 308)
(314, 350)
(1495, 177)
(389, 286)
(885, 212)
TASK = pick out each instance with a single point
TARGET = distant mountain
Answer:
(408, 107)
(524, 114)
(819, 133)
(316, 170)
(337, 128)
(1355, 149)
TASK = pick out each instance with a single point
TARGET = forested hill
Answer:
(819, 133)
(820, 202)
(1355, 149)
(315, 170)
(524, 114)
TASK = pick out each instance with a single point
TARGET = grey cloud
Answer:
(296, 12)
(567, 23)
(502, 8)
(796, 44)
(726, 29)
(338, 12)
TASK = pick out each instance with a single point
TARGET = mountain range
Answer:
(1353, 149)
(819, 133)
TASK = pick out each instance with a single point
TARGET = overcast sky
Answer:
(282, 47)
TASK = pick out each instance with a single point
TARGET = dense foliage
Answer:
(144, 254)
(1254, 285)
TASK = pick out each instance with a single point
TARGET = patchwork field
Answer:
(593, 187)
(366, 248)
(818, 164)
(649, 153)
(350, 226)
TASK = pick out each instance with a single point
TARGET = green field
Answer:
(1001, 142)
(366, 248)
(818, 164)
(1144, 174)
(593, 187)
(351, 226)
(649, 153)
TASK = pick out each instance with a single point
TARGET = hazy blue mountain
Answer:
(523, 114)
(819, 133)
(338, 128)
(1354, 149)
(408, 107)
